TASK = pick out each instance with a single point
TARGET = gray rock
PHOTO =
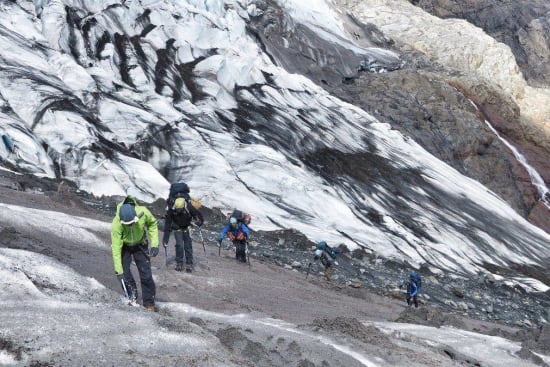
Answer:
(433, 280)
(490, 278)
(458, 292)
(453, 304)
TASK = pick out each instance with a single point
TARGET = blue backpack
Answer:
(329, 250)
(416, 279)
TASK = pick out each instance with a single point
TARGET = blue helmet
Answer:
(127, 214)
(322, 245)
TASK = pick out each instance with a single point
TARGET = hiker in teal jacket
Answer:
(129, 230)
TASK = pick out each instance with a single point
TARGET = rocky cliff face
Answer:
(451, 64)
(522, 25)
(525, 28)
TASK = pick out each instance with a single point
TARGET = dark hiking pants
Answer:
(143, 263)
(183, 244)
(412, 300)
(240, 250)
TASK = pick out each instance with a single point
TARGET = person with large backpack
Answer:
(180, 213)
(327, 255)
(238, 232)
(413, 284)
(130, 228)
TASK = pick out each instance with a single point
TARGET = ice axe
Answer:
(165, 254)
(125, 290)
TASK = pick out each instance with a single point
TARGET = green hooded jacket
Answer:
(131, 235)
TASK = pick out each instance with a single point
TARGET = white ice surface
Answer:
(59, 224)
(69, 319)
(490, 351)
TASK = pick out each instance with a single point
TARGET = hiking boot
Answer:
(150, 308)
(327, 275)
(179, 267)
(133, 296)
(189, 268)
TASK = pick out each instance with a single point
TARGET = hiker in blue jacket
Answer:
(326, 254)
(239, 233)
(412, 290)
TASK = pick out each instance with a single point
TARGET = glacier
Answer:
(126, 97)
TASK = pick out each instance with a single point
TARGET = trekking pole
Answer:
(220, 248)
(204, 248)
(247, 254)
(202, 240)
(308, 269)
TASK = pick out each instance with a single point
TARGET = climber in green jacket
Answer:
(129, 230)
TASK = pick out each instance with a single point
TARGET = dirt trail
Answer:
(225, 286)
(219, 284)
(232, 287)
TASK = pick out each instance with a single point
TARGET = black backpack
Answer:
(240, 217)
(178, 190)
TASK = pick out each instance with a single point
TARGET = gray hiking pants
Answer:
(184, 244)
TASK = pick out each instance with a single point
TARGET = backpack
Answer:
(181, 190)
(240, 217)
(415, 277)
(329, 250)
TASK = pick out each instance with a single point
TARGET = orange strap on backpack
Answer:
(239, 237)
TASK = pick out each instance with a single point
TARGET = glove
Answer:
(165, 244)
(220, 242)
(154, 251)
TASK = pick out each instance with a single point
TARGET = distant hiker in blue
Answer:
(326, 254)
(237, 232)
(413, 284)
